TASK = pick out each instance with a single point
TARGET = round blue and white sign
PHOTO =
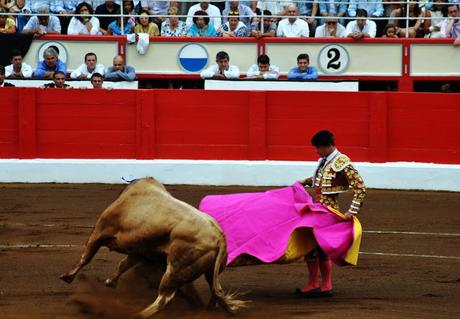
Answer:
(192, 57)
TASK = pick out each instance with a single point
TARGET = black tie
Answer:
(321, 164)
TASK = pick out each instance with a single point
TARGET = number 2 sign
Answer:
(333, 59)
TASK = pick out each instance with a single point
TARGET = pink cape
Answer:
(261, 224)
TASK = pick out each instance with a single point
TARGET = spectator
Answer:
(2, 78)
(172, 26)
(157, 8)
(222, 69)
(58, 81)
(303, 71)
(212, 11)
(109, 7)
(415, 20)
(374, 9)
(245, 12)
(233, 27)
(87, 69)
(50, 64)
(390, 31)
(144, 25)
(129, 10)
(114, 27)
(331, 29)
(64, 10)
(309, 9)
(275, 7)
(437, 16)
(263, 69)
(7, 25)
(361, 27)
(450, 28)
(97, 80)
(201, 26)
(269, 28)
(337, 8)
(43, 23)
(13, 6)
(18, 69)
(87, 24)
(119, 71)
(292, 26)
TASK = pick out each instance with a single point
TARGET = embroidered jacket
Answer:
(336, 176)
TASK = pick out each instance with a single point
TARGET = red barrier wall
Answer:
(240, 125)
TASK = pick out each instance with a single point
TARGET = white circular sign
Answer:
(63, 56)
(333, 59)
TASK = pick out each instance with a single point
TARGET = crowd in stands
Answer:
(315, 18)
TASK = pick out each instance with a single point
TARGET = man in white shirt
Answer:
(18, 69)
(84, 71)
(212, 11)
(293, 26)
(330, 29)
(222, 69)
(361, 27)
(263, 69)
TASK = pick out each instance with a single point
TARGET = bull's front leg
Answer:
(124, 265)
(91, 249)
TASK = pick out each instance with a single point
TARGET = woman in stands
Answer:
(173, 27)
(233, 27)
(201, 26)
(437, 16)
(7, 25)
(414, 28)
(85, 23)
(128, 9)
(144, 25)
(114, 28)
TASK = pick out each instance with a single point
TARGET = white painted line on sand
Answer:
(409, 233)
(410, 255)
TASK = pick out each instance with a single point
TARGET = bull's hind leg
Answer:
(166, 292)
(92, 246)
(124, 265)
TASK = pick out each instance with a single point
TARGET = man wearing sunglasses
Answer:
(331, 29)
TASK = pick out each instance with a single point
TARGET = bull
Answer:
(146, 223)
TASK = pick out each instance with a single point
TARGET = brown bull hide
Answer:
(146, 223)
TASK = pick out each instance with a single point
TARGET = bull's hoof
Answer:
(67, 278)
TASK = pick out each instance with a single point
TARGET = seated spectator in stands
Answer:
(303, 71)
(108, 8)
(2, 78)
(7, 25)
(58, 81)
(436, 13)
(212, 11)
(114, 28)
(415, 21)
(97, 80)
(233, 27)
(87, 69)
(450, 28)
(292, 26)
(390, 31)
(361, 27)
(50, 64)
(373, 8)
(87, 24)
(222, 69)
(263, 69)
(119, 71)
(245, 12)
(157, 8)
(201, 26)
(309, 9)
(337, 8)
(172, 26)
(29, 7)
(129, 10)
(269, 28)
(64, 10)
(43, 23)
(18, 69)
(331, 29)
(144, 25)
(13, 6)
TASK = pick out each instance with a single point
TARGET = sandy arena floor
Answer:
(409, 264)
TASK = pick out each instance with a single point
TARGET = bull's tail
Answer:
(227, 301)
